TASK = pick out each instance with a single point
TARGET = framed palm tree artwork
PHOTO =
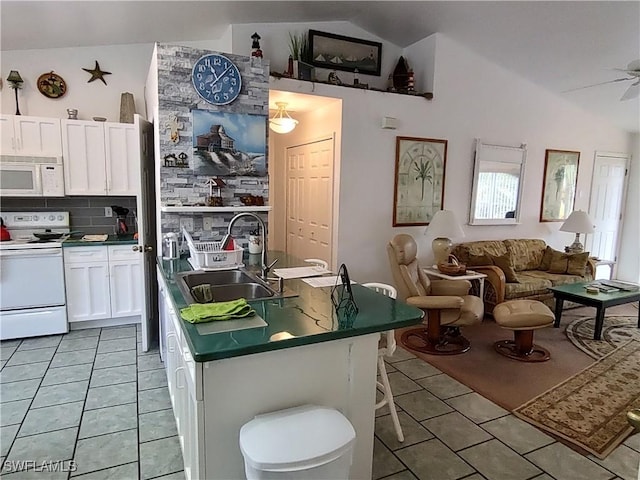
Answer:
(419, 180)
(559, 184)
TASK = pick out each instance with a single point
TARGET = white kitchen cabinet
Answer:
(86, 272)
(25, 135)
(100, 158)
(184, 381)
(102, 282)
(84, 158)
(125, 281)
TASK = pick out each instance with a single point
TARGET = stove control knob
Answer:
(35, 217)
(60, 217)
(52, 217)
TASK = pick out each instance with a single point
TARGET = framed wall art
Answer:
(226, 143)
(419, 180)
(338, 52)
(559, 185)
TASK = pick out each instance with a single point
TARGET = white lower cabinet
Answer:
(102, 282)
(184, 380)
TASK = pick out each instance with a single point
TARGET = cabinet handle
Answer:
(177, 382)
(170, 335)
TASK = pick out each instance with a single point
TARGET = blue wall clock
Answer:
(216, 79)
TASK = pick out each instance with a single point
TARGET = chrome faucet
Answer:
(263, 259)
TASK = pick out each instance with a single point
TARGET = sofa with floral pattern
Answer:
(522, 268)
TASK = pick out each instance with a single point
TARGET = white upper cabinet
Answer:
(100, 158)
(24, 135)
(84, 158)
(123, 158)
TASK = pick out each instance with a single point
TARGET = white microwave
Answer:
(31, 176)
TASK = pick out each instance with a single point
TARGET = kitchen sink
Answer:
(226, 285)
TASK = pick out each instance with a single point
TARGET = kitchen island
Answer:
(303, 355)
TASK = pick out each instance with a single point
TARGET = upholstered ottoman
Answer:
(523, 317)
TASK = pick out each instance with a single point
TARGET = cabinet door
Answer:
(125, 281)
(122, 159)
(38, 135)
(87, 287)
(84, 158)
(7, 135)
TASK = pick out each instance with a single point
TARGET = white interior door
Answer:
(310, 199)
(605, 207)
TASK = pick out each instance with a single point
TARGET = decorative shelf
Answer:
(204, 209)
(425, 95)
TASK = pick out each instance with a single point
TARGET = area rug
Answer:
(589, 409)
(617, 331)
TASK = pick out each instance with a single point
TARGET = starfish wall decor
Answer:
(96, 73)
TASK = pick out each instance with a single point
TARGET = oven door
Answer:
(20, 180)
(31, 278)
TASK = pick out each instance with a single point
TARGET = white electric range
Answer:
(32, 293)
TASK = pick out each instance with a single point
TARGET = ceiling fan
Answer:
(633, 72)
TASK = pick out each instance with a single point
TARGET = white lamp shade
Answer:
(444, 224)
(281, 122)
(578, 222)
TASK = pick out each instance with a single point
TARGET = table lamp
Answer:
(578, 222)
(16, 82)
(443, 226)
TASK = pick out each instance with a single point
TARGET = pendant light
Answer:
(281, 122)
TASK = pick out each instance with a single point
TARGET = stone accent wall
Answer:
(177, 97)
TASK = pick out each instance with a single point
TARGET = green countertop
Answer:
(111, 240)
(309, 318)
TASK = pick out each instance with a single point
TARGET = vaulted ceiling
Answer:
(557, 45)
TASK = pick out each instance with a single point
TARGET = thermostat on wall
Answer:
(390, 123)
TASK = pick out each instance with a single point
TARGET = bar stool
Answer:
(386, 347)
(318, 262)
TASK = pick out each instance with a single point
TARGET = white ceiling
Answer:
(558, 45)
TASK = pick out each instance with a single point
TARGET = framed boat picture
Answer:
(337, 52)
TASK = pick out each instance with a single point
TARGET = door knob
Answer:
(135, 248)
(147, 248)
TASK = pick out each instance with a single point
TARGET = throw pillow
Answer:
(577, 263)
(559, 262)
(546, 258)
(479, 260)
(504, 263)
(569, 263)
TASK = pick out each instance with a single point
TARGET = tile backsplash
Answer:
(86, 213)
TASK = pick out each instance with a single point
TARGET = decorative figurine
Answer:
(255, 46)
(173, 125)
(334, 79)
(217, 183)
(96, 73)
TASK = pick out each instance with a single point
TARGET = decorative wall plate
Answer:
(51, 85)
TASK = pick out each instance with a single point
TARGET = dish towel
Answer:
(209, 312)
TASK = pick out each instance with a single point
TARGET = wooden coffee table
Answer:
(576, 292)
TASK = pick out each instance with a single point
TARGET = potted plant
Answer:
(300, 52)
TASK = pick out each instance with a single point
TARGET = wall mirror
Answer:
(497, 184)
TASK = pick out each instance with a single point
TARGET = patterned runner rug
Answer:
(617, 330)
(589, 409)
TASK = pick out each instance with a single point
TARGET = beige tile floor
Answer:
(92, 397)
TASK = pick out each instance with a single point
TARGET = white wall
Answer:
(628, 267)
(128, 65)
(490, 103)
